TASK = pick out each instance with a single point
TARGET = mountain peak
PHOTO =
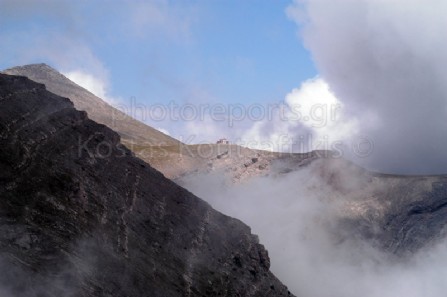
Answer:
(35, 65)
(31, 67)
(98, 110)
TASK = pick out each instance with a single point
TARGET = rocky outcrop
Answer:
(81, 216)
(420, 222)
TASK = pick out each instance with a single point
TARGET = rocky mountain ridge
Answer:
(377, 206)
(81, 216)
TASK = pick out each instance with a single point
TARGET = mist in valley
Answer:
(297, 217)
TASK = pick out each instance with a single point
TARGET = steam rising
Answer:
(385, 60)
(296, 218)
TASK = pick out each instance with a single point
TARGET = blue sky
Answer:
(158, 51)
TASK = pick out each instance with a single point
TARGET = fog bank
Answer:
(296, 218)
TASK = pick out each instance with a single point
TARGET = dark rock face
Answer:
(81, 216)
(418, 223)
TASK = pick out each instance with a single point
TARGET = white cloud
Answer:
(310, 118)
(316, 107)
(385, 60)
(94, 84)
(88, 82)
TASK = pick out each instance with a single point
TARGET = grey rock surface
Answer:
(398, 214)
(81, 216)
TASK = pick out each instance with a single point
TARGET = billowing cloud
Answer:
(310, 118)
(385, 61)
(316, 107)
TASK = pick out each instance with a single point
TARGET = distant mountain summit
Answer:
(98, 110)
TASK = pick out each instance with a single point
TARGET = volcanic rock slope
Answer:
(98, 110)
(81, 216)
(399, 213)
